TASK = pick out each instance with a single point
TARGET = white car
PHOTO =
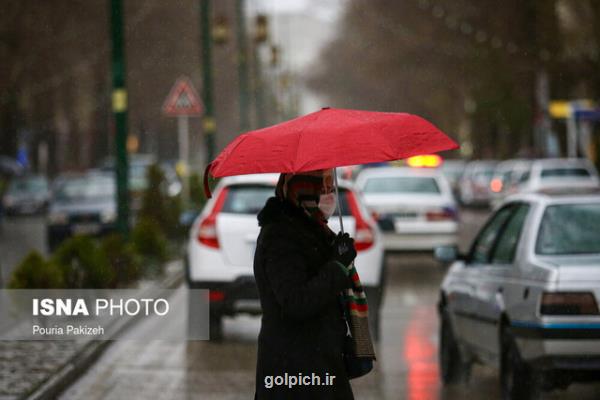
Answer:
(414, 207)
(222, 241)
(558, 174)
(525, 298)
(474, 184)
(505, 180)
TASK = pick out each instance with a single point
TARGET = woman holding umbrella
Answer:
(300, 266)
(300, 274)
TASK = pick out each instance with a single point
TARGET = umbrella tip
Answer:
(325, 108)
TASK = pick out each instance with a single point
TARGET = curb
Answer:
(85, 358)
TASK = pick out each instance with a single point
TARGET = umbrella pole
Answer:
(337, 197)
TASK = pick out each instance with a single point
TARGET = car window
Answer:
(86, 188)
(504, 251)
(524, 177)
(484, 243)
(569, 229)
(401, 184)
(250, 199)
(551, 173)
(247, 199)
(27, 185)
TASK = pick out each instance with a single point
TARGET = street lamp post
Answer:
(119, 108)
(209, 125)
(242, 65)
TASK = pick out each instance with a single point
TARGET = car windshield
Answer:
(401, 184)
(250, 199)
(569, 229)
(86, 188)
(483, 174)
(28, 185)
(553, 173)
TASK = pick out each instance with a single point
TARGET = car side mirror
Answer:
(446, 254)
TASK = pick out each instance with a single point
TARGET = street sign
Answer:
(183, 100)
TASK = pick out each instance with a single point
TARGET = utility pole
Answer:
(209, 125)
(119, 108)
(242, 65)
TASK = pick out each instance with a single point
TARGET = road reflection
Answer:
(420, 356)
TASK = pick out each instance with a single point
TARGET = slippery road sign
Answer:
(183, 100)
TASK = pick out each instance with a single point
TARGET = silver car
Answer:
(525, 297)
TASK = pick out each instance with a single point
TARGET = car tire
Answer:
(518, 381)
(453, 367)
(216, 327)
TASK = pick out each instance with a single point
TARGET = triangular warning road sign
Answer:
(183, 100)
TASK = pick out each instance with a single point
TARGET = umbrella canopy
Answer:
(328, 138)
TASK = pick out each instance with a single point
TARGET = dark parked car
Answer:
(138, 177)
(81, 204)
(26, 195)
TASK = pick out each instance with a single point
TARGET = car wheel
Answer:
(518, 381)
(453, 367)
(216, 327)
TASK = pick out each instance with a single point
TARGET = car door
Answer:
(496, 277)
(478, 260)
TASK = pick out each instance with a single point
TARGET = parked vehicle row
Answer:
(82, 202)
(488, 182)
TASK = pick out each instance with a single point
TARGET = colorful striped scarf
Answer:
(357, 316)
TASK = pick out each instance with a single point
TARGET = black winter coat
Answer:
(302, 329)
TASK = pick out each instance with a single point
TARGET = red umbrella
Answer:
(326, 139)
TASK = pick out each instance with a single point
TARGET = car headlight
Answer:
(108, 216)
(58, 218)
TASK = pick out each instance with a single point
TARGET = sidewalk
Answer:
(41, 369)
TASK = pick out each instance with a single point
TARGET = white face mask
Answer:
(327, 204)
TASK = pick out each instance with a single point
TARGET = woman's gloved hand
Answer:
(343, 249)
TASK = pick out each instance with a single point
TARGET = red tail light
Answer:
(207, 232)
(568, 303)
(364, 236)
(216, 295)
(496, 185)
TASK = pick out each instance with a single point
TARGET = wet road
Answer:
(407, 353)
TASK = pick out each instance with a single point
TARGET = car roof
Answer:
(559, 162)
(399, 171)
(571, 196)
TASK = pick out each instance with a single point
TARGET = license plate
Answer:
(246, 304)
(86, 229)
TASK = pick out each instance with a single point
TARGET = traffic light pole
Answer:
(119, 108)
(242, 65)
(209, 125)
